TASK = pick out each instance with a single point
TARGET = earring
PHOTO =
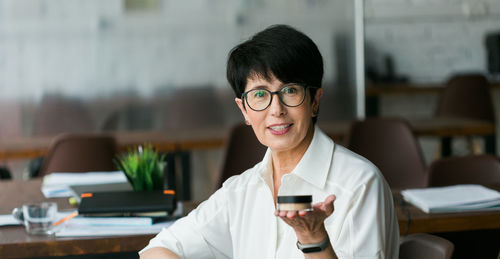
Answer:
(247, 123)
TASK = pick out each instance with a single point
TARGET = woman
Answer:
(276, 76)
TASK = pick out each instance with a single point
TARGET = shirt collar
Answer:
(265, 170)
(314, 165)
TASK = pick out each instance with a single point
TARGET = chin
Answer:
(280, 145)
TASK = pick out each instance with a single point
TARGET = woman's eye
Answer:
(259, 93)
(289, 90)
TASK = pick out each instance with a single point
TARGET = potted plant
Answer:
(143, 167)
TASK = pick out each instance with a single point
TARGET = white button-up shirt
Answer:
(238, 220)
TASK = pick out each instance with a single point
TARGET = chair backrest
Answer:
(466, 96)
(80, 153)
(58, 114)
(421, 245)
(471, 169)
(390, 144)
(192, 108)
(133, 117)
(243, 151)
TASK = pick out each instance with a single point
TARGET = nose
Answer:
(276, 108)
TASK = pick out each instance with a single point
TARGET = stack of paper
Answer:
(110, 226)
(58, 184)
(455, 198)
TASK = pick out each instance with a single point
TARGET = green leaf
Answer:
(143, 167)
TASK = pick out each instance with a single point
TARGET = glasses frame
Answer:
(305, 87)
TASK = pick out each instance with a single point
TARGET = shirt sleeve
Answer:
(371, 229)
(204, 233)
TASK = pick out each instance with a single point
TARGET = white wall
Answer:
(95, 48)
(430, 39)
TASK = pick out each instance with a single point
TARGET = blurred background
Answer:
(130, 65)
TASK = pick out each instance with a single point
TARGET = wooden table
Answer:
(375, 91)
(410, 89)
(215, 137)
(413, 220)
(15, 243)
(168, 141)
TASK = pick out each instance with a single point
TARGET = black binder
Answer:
(127, 202)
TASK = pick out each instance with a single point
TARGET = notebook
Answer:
(455, 198)
(127, 202)
(78, 190)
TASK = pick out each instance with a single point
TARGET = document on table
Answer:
(77, 230)
(58, 184)
(456, 198)
(109, 221)
(8, 220)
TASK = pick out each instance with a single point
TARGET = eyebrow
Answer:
(259, 87)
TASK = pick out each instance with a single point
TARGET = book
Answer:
(456, 198)
(78, 190)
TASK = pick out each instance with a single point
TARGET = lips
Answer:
(279, 129)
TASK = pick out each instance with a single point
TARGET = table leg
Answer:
(178, 174)
(372, 104)
(186, 175)
(445, 146)
(490, 144)
(169, 179)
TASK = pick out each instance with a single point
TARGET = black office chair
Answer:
(243, 150)
(80, 153)
(471, 169)
(57, 114)
(466, 96)
(389, 143)
(421, 245)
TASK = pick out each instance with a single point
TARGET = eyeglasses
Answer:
(291, 95)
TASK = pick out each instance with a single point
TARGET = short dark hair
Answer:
(280, 50)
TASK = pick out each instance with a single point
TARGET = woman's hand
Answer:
(309, 225)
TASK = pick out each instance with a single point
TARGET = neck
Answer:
(284, 162)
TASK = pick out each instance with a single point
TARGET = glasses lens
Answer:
(292, 94)
(258, 99)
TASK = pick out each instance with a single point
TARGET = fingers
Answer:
(327, 205)
(289, 214)
(330, 198)
(329, 202)
(282, 213)
(302, 213)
